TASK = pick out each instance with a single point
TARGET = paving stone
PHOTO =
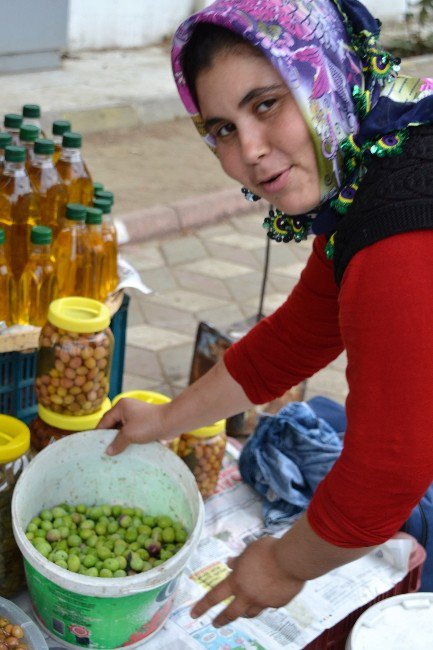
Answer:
(290, 270)
(251, 224)
(208, 232)
(136, 382)
(187, 300)
(328, 382)
(340, 363)
(232, 254)
(248, 242)
(223, 316)
(182, 249)
(143, 257)
(166, 317)
(271, 303)
(280, 254)
(154, 338)
(140, 362)
(197, 282)
(159, 279)
(215, 268)
(177, 363)
(245, 287)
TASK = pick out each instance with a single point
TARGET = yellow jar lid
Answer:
(209, 431)
(73, 422)
(144, 396)
(77, 314)
(14, 438)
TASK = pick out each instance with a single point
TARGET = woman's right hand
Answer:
(137, 422)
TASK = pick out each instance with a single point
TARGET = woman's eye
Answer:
(266, 105)
(224, 130)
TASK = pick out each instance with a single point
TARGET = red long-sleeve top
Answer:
(382, 315)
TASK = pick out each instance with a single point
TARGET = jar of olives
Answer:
(48, 425)
(74, 358)
(14, 446)
(203, 451)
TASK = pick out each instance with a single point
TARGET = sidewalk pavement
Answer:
(186, 227)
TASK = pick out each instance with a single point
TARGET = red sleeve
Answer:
(296, 341)
(387, 461)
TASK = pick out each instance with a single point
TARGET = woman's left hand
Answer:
(257, 581)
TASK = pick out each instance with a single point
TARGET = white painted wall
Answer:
(100, 24)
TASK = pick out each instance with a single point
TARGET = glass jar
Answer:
(49, 426)
(14, 446)
(203, 451)
(74, 357)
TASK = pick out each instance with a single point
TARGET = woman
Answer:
(302, 107)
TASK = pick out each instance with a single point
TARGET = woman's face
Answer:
(261, 137)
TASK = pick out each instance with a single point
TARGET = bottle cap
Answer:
(75, 212)
(2, 236)
(77, 314)
(209, 431)
(14, 438)
(73, 422)
(12, 121)
(31, 110)
(41, 235)
(43, 146)
(15, 154)
(105, 194)
(148, 396)
(93, 215)
(97, 187)
(61, 126)
(71, 140)
(103, 205)
(29, 132)
(5, 139)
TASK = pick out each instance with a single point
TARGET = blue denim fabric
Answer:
(286, 458)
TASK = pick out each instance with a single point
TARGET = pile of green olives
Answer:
(105, 541)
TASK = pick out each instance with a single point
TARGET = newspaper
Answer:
(233, 519)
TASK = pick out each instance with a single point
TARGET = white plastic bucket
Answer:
(402, 622)
(105, 612)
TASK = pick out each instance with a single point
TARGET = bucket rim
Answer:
(108, 587)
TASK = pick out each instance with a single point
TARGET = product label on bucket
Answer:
(95, 622)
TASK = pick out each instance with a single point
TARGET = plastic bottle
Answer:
(97, 187)
(46, 181)
(59, 128)
(5, 139)
(109, 237)
(6, 284)
(12, 123)
(19, 208)
(73, 170)
(69, 251)
(105, 194)
(37, 286)
(95, 284)
(28, 135)
(32, 115)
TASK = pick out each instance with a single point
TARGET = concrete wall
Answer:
(100, 24)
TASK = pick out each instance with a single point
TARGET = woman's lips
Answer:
(276, 183)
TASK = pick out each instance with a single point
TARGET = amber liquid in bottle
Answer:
(70, 253)
(37, 286)
(75, 176)
(6, 286)
(52, 192)
(19, 211)
(109, 237)
(94, 272)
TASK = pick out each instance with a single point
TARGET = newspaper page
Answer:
(233, 520)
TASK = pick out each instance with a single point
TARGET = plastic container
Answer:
(74, 358)
(402, 622)
(18, 369)
(33, 637)
(105, 612)
(14, 445)
(49, 426)
(203, 451)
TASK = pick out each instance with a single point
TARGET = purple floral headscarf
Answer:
(308, 45)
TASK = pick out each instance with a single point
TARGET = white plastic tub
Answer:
(105, 612)
(33, 637)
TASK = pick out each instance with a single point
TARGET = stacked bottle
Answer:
(109, 238)
(73, 170)
(60, 127)
(12, 123)
(6, 284)
(5, 140)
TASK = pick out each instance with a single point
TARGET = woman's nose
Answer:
(254, 143)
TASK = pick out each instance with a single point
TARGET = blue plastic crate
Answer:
(18, 372)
